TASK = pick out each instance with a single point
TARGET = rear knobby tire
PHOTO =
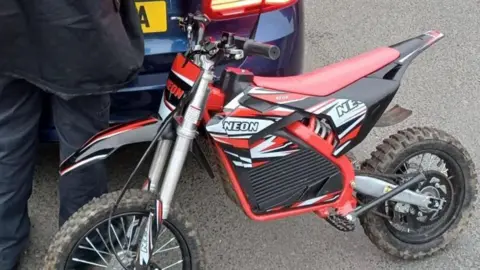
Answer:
(99, 209)
(387, 156)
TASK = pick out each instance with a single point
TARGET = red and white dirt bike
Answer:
(281, 144)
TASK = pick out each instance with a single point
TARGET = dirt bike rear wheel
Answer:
(95, 214)
(459, 177)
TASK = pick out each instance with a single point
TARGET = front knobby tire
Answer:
(388, 156)
(99, 209)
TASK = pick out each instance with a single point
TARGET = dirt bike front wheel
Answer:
(83, 242)
(410, 232)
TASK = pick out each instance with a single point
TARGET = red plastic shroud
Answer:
(344, 204)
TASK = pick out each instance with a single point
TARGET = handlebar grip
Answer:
(251, 47)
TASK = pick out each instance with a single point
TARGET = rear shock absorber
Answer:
(323, 129)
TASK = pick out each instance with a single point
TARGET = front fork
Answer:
(175, 157)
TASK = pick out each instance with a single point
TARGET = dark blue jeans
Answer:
(76, 121)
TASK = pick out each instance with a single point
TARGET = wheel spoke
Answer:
(93, 246)
(91, 249)
(103, 240)
(90, 263)
(442, 166)
(164, 245)
(116, 236)
(172, 265)
(160, 250)
(124, 229)
(421, 160)
(131, 228)
(432, 160)
(161, 233)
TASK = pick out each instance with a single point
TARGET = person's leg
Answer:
(20, 109)
(77, 120)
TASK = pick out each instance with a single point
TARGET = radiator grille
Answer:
(286, 176)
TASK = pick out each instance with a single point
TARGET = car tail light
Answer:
(228, 9)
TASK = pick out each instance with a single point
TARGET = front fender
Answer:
(106, 142)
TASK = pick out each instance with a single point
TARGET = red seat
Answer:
(329, 79)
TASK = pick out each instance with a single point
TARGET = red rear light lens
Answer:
(228, 9)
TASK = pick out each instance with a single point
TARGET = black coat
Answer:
(71, 47)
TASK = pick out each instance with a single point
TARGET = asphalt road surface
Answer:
(441, 86)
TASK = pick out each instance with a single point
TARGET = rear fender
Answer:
(103, 144)
(393, 116)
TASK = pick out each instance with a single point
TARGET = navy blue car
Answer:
(278, 22)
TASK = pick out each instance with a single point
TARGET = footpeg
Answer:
(341, 223)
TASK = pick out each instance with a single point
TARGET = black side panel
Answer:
(279, 125)
(333, 184)
(287, 180)
(376, 94)
(256, 104)
(292, 138)
(370, 91)
(234, 83)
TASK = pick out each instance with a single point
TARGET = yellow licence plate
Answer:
(153, 15)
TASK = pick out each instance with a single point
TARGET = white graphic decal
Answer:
(164, 110)
(240, 163)
(258, 90)
(291, 101)
(339, 149)
(233, 126)
(340, 110)
(240, 126)
(281, 109)
(83, 162)
(321, 107)
(345, 110)
(183, 78)
(260, 151)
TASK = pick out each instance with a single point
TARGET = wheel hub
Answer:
(434, 187)
(413, 216)
(430, 191)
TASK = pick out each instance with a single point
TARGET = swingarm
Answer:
(383, 191)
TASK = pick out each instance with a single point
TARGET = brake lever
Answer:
(181, 22)
(187, 24)
(238, 54)
(230, 47)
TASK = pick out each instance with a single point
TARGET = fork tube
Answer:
(158, 163)
(186, 132)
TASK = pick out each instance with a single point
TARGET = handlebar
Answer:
(253, 48)
(230, 46)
